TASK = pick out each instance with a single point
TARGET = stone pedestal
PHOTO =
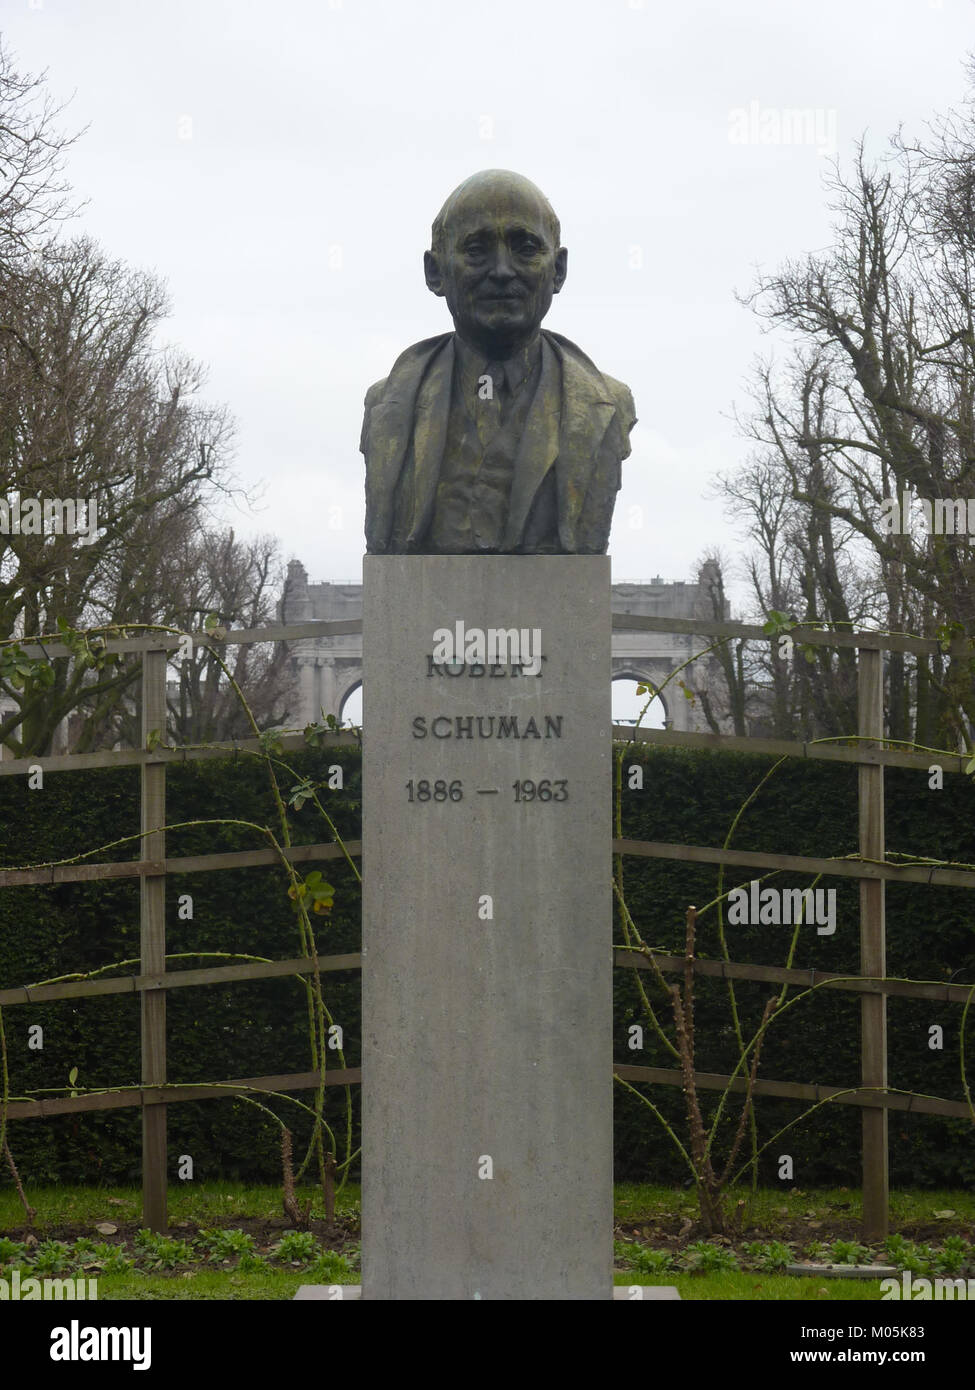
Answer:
(487, 963)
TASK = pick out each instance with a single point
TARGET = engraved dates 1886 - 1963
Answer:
(524, 790)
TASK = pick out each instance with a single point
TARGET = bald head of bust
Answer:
(495, 257)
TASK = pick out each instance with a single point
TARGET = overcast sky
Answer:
(279, 162)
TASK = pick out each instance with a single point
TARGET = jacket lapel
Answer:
(430, 437)
(388, 433)
(567, 424)
(587, 413)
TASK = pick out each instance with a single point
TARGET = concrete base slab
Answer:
(649, 1293)
(339, 1293)
(842, 1271)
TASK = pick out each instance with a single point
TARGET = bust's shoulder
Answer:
(375, 393)
(412, 360)
(619, 393)
(623, 398)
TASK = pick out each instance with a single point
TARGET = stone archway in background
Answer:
(627, 705)
(350, 705)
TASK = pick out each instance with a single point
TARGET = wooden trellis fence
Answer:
(153, 866)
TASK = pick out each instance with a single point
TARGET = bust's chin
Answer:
(499, 333)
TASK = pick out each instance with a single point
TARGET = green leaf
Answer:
(301, 793)
(72, 1076)
(270, 740)
(778, 622)
(947, 632)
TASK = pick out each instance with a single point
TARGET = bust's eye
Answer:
(528, 246)
(475, 251)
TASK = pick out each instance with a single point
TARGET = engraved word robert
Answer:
(491, 646)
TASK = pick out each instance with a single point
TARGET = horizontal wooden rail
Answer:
(706, 628)
(187, 864)
(798, 863)
(177, 979)
(804, 979)
(622, 959)
(217, 637)
(648, 849)
(250, 858)
(140, 757)
(170, 1095)
(839, 752)
(352, 1076)
(809, 636)
(798, 1090)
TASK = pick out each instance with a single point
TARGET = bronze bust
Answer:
(500, 437)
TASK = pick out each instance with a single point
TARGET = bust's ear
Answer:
(561, 268)
(431, 269)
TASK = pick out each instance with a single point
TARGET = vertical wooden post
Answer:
(152, 924)
(873, 952)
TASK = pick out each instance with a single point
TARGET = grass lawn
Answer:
(231, 1241)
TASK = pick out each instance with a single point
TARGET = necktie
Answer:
(489, 403)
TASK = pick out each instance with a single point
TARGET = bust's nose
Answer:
(502, 269)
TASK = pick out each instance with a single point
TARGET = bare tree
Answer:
(725, 711)
(210, 579)
(758, 497)
(875, 402)
(34, 195)
(91, 408)
(238, 584)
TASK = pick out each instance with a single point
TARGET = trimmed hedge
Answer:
(806, 808)
(217, 1032)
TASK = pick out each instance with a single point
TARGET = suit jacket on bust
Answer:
(579, 452)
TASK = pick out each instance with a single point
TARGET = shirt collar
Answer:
(517, 368)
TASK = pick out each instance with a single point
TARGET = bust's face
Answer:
(499, 267)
